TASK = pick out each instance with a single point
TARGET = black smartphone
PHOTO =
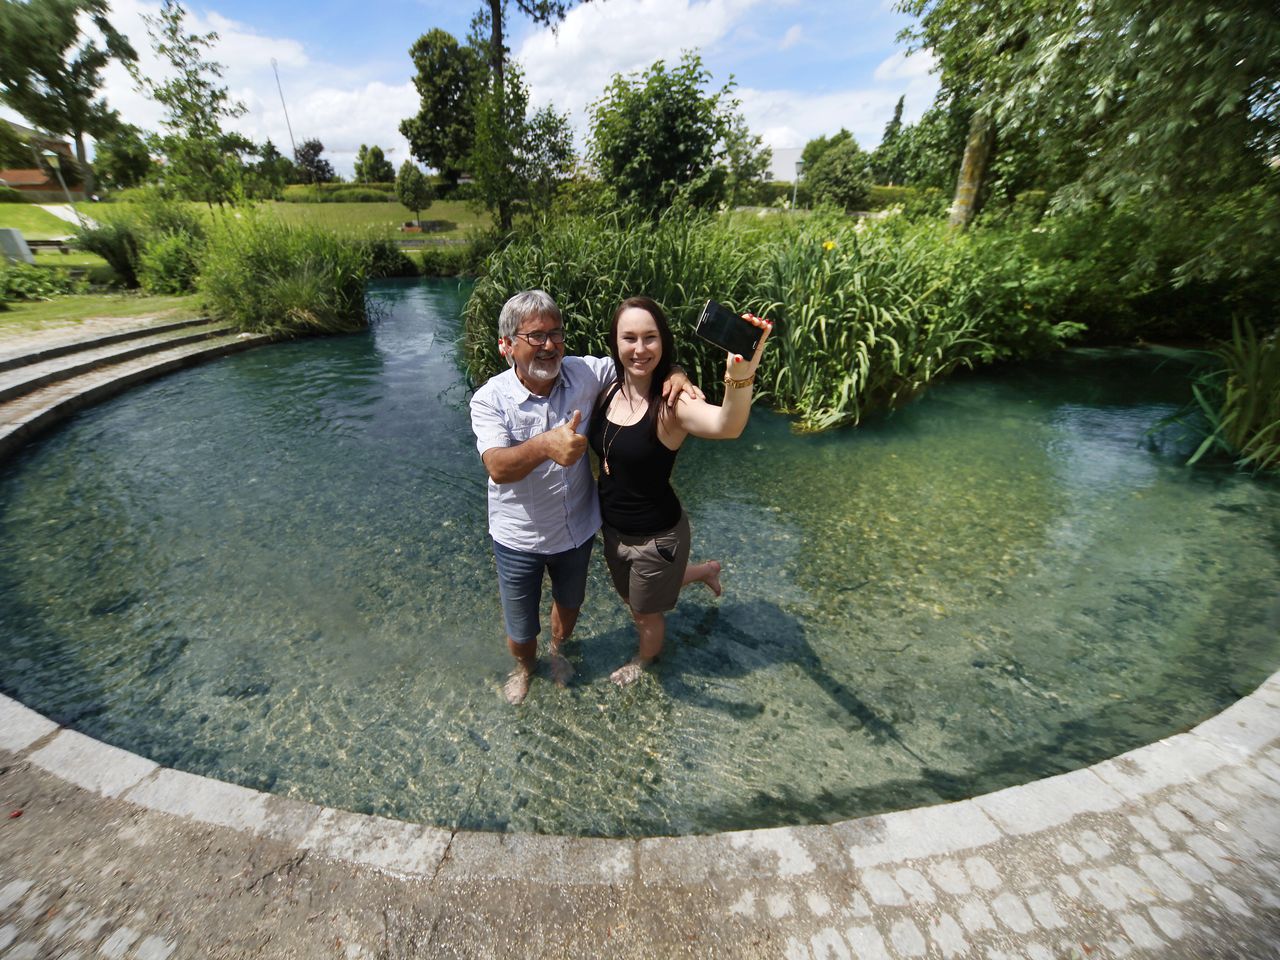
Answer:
(719, 325)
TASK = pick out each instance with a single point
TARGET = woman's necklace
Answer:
(608, 441)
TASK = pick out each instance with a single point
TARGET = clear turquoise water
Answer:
(273, 570)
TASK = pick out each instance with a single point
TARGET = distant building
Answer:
(783, 166)
(37, 183)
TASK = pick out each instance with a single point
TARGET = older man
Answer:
(530, 423)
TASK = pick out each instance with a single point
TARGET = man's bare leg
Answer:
(516, 687)
(563, 620)
(708, 573)
(652, 628)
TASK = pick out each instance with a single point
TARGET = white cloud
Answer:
(791, 37)
(571, 66)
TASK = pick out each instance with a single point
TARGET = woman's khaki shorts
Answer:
(648, 571)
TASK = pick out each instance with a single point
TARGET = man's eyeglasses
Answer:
(539, 338)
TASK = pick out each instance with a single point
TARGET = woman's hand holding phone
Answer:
(738, 367)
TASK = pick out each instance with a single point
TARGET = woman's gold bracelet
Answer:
(739, 384)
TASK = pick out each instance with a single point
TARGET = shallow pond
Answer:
(274, 570)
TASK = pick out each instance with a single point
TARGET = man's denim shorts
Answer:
(520, 584)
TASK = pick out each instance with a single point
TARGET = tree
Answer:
(14, 151)
(747, 160)
(313, 167)
(1154, 106)
(546, 156)
(886, 160)
(491, 17)
(815, 148)
(372, 166)
(50, 72)
(658, 137)
(841, 176)
(413, 189)
(196, 105)
(121, 159)
(448, 79)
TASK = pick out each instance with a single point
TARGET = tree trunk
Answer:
(973, 170)
(87, 179)
(497, 59)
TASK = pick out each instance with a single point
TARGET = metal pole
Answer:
(292, 146)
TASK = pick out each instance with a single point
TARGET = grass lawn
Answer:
(452, 219)
(30, 316)
(34, 223)
(75, 258)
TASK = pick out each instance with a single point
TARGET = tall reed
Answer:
(269, 277)
(1241, 400)
(866, 314)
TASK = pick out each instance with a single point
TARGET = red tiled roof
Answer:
(26, 178)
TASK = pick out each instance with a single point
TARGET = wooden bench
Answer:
(60, 245)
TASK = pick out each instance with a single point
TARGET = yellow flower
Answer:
(829, 245)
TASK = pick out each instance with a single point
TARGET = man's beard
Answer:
(545, 369)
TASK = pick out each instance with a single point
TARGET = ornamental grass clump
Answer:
(268, 277)
(1240, 399)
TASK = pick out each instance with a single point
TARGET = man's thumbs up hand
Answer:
(564, 444)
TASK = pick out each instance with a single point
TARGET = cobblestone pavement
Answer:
(1171, 851)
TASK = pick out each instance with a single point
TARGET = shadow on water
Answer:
(714, 647)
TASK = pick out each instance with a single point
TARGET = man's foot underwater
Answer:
(516, 687)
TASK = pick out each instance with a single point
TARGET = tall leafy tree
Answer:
(498, 147)
(413, 189)
(885, 159)
(1156, 106)
(448, 77)
(372, 165)
(841, 176)
(14, 151)
(747, 160)
(51, 71)
(659, 137)
(196, 105)
(311, 166)
(547, 156)
(121, 158)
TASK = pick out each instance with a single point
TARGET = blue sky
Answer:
(802, 69)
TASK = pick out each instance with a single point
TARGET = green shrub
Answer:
(386, 259)
(10, 195)
(168, 264)
(841, 177)
(22, 281)
(339, 193)
(267, 276)
(118, 242)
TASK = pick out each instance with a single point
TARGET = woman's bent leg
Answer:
(707, 572)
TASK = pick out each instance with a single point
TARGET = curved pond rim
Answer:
(116, 772)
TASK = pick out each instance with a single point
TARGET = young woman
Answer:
(637, 437)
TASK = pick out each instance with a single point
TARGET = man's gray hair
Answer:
(524, 306)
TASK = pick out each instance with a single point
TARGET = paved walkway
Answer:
(1171, 851)
(64, 211)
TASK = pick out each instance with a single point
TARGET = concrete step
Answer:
(26, 416)
(11, 359)
(34, 375)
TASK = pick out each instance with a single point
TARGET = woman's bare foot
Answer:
(707, 572)
(561, 669)
(629, 672)
(516, 687)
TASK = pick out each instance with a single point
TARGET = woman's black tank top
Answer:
(635, 493)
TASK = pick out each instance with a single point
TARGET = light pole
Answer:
(795, 186)
(54, 159)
